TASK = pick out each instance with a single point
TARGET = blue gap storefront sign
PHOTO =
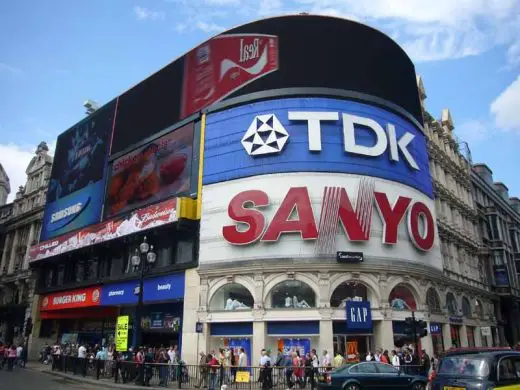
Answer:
(435, 328)
(161, 288)
(359, 315)
(226, 158)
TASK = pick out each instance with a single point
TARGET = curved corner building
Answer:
(318, 225)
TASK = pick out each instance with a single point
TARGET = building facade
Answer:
(21, 228)
(5, 187)
(499, 227)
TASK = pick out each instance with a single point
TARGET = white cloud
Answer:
(473, 131)
(208, 27)
(9, 69)
(15, 159)
(513, 55)
(506, 106)
(143, 13)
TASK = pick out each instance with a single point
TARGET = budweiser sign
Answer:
(224, 64)
(139, 220)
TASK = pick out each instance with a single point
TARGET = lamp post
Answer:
(142, 260)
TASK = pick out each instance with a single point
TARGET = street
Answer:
(26, 380)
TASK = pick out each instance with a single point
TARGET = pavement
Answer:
(47, 379)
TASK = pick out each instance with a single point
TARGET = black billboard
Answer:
(313, 52)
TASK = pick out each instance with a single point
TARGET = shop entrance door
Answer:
(349, 346)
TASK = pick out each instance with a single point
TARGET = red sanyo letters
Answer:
(295, 215)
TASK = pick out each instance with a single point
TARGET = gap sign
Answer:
(359, 315)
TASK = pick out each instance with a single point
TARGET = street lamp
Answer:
(142, 260)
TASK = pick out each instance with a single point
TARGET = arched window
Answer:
(231, 297)
(451, 304)
(292, 294)
(433, 301)
(466, 307)
(348, 291)
(401, 298)
(479, 312)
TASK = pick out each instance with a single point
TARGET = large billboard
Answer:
(311, 52)
(315, 135)
(77, 184)
(143, 219)
(224, 64)
(158, 170)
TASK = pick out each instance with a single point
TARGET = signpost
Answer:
(122, 334)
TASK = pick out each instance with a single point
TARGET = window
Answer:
(231, 297)
(293, 294)
(478, 308)
(466, 307)
(494, 227)
(507, 370)
(451, 304)
(387, 369)
(364, 368)
(348, 291)
(433, 301)
(401, 298)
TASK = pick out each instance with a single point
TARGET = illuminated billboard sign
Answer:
(77, 184)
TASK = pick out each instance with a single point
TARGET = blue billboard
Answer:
(77, 185)
(315, 135)
(160, 288)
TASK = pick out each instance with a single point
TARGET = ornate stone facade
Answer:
(5, 187)
(21, 229)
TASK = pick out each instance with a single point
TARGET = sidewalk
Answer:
(102, 382)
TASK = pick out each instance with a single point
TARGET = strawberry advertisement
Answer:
(156, 171)
(146, 218)
(224, 64)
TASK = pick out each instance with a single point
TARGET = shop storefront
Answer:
(455, 335)
(353, 337)
(301, 336)
(233, 336)
(437, 338)
(76, 316)
(163, 297)
(470, 331)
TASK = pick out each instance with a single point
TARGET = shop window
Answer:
(401, 298)
(433, 301)
(293, 294)
(451, 304)
(466, 307)
(231, 297)
(470, 331)
(478, 308)
(348, 291)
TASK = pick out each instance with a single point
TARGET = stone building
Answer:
(5, 187)
(499, 225)
(21, 229)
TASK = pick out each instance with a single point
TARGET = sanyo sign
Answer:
(383, 139)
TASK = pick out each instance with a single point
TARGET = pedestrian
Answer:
(339, 360)
(212, 366)
(203, 370)
(395, 359)
(163, 368)
(265, 370)
(385, 358)
(425, 364)
(11, 358)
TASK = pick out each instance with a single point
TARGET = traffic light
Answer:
(421, 328)
(409, 326)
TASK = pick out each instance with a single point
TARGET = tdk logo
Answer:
(266, 135)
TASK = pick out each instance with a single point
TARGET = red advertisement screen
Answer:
(223, 64)
(158, 170)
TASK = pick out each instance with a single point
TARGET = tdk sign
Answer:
(315, 135)
(266, 135)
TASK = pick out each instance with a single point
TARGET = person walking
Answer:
(11, 358)
(425, 364)
(385, 358)
(203, 370)
(395, 359)
(339, 360)
(212, 366)
(163, 368)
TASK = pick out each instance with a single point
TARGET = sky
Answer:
(56, 54)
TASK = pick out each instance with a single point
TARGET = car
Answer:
(372, 375)
(495, 369)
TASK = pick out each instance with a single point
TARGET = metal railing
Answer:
(194, 376)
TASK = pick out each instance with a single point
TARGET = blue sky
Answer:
(58, 53)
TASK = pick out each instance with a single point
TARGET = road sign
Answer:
(122, 334)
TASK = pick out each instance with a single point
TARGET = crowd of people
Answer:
(13, 356)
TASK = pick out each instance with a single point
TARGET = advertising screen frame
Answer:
(191, 192)
(84, 205)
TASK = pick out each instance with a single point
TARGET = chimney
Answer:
(502, 189)
(447, 121)
(515, 203)
(484, 172)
